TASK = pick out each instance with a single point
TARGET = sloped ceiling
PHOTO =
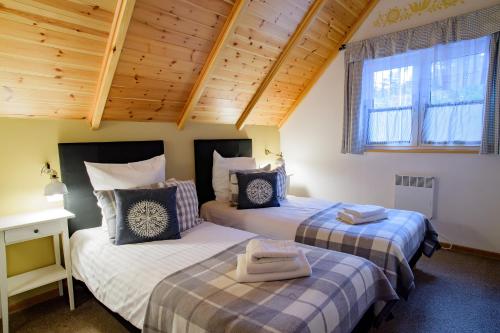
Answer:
(50, 56)
(166, 46)
(256, 63)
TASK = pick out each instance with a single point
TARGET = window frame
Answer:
(421, 101)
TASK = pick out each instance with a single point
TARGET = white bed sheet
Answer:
(123, 277)
(274, 222)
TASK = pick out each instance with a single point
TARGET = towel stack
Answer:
(359, 214)
(270, 260)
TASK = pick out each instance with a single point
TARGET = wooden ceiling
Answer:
(216, 61)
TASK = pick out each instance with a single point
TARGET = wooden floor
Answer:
(455, 293)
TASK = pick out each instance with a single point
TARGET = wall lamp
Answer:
(279, 156)
(55, 189)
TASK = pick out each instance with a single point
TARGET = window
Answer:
(429, 97)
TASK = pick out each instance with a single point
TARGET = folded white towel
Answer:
(268, 248)
(259, 267)
(243, 276)
(346, 217)
(364, 210)
(267, 260)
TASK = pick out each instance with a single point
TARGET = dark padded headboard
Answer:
(80, 200)
(203, 159)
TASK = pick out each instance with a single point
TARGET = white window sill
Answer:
(423, 150)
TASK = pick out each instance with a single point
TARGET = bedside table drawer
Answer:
(32, 232)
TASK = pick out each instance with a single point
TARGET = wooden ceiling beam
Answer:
(362, 17)
(303, 26)
(114, 46)
(199, 86)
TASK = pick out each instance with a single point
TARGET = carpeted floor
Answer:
(455, 293)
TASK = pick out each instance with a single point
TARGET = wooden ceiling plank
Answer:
(267, 10)
(27, 95)
(107, 5)
(94, 10)
(36, 81)
(52, 25)
(17, 65)
(116, 39)
(149, 94)
(253, 47)
(39, 35)
(139, 82)
(186, 11)
(52, 110)
(164, 49)
(54, 13)
(256, 35)
(218, 7)
(294, 40)
(253, 21)
(170, 62)
(348, 7)
(200, 83)
(165, 20)
(140, 29)
(155, 72)
(40, 52)
(363, 15)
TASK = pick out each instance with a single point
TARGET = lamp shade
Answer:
(55, 187)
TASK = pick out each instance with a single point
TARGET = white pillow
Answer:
(109, 176)
(220, 173)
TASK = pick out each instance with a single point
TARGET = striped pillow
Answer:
(282, 183)
(186, 201)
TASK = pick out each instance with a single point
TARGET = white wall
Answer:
(468, 203)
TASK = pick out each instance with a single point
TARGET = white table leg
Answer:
(4, 293)
(67, 264)
(57, 254)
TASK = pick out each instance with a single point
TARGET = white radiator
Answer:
(415, 193)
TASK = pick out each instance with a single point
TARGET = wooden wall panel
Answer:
(166, 46)
(50, 55)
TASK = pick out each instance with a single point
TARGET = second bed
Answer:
(394, 244)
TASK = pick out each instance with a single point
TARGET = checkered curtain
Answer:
(354, 135)
(490, 143)
(469, 26)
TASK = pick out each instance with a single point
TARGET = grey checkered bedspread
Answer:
(389, 243)
(206, 298)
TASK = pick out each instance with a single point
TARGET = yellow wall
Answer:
(25, 144)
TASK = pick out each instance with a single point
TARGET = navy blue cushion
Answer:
(257, 190)
(146, 215)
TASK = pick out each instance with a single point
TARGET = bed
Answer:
(188, 285)
(394, 244)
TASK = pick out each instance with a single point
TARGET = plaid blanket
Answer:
(389, 243)
(206, 298)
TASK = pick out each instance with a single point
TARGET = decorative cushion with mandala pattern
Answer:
(233, 182)
(146, 215)
(187, 205)
(257, 190)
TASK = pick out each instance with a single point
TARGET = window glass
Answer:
(432, 96)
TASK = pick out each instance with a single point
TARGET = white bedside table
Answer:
(24, 227)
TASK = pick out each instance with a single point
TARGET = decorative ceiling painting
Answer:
(399, 14)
